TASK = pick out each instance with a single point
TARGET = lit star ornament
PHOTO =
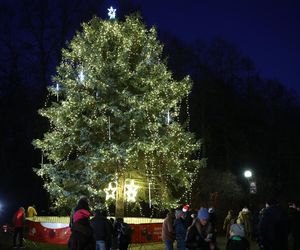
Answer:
(131, 191)
(110, 191)
(112, 13)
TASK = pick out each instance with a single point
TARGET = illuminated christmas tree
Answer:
(114, 119)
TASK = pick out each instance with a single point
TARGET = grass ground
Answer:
(6, 244)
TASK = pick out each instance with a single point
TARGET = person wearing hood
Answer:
(82, 233)
(200, 234)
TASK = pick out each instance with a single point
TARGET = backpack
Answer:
(126, 231)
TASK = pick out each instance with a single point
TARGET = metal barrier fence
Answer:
(55, 230)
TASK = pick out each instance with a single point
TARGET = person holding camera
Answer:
(200, 234)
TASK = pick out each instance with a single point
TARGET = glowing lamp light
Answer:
(112, 13)
(248, 174)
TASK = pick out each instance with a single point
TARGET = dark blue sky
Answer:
(267, 31)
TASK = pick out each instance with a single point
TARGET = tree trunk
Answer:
(119, 211)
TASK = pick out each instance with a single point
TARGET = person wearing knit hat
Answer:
(237, 238)
(180, 229)
(200, 234)
(203, 214)
(188, 220)
(186, 208)
(237, 229)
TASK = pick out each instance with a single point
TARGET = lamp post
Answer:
(251, 182)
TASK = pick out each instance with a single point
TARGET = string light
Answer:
(81, 76)
(109, 129)
(168, 118)
(57, 88)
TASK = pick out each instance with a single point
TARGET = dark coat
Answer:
(180, 229)
(273, 229)
(294, 228)
(82, 236)
(103, 229)
(195, 240)
(237, 243)
(124, 233)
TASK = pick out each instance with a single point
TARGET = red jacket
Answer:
(19, 218)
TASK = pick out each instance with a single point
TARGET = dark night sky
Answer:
(267, 31)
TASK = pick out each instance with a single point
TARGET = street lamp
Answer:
(248, 174)
(251, 181)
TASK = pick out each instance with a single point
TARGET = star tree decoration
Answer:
(112, 13)
(110, 191)
(131, 191)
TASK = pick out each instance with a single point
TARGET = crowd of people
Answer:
(98, 233)
(272, 229)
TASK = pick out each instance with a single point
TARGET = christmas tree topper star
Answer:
(112, 13)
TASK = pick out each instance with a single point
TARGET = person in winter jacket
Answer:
(82, 233)
(237, 240)
(228, 221)
(103, 230)
(180, 229)
(200, 234)
(83, 203)
(294, 226)
(187, 215)
(18, 223)
(273, 227)
(168, 232)
(31, 211)
(245, 219)
(124, 232)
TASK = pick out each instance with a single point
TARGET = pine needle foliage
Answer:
(108, 118)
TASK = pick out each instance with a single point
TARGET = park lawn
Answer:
(6, 243)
